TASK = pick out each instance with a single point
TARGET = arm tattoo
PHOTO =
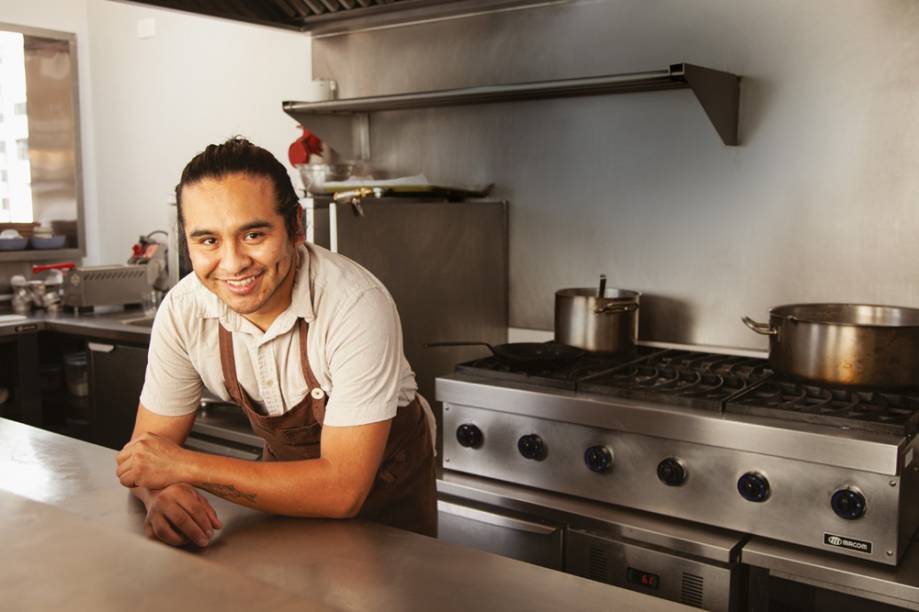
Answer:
(228, 492)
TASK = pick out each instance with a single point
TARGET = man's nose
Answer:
(233, 257)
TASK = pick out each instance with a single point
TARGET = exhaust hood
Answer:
(334, 16)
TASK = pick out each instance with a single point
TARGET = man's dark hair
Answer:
(239, 156)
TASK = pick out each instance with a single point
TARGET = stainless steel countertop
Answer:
(106, 324)
(898, 586)
(89, 549)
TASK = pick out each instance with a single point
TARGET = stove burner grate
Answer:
(685, 378)
(562, 377)
(876, 411)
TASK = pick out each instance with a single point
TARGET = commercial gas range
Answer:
(708, 438)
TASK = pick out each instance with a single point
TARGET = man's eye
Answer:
(208, 241)
(253, 235)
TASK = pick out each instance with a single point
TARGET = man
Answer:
(306, 342)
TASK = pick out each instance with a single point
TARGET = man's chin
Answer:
(241, 305)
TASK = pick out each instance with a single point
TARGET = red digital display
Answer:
(643, 579)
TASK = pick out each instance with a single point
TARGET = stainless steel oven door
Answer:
(498, 531)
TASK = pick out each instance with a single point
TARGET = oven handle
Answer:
(498, 520)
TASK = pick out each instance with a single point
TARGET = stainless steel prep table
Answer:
(350, 565)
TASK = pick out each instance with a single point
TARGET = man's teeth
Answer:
(239, 284)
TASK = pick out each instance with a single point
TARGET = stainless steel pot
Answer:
(607, 324)
(850, 344)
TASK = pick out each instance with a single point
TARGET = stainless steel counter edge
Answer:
(820, 444)
(113, 326)
(897, 586)
(712, 543)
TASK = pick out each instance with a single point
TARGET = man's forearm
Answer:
(311, 487)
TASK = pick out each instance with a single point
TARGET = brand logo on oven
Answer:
(849, 543)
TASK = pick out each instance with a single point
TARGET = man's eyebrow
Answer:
(257, 224)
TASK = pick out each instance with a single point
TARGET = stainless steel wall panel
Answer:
(817, 204)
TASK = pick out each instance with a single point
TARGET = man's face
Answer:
(238, 244)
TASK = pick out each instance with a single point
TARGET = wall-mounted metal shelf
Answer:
(40, 255)
(718, 92)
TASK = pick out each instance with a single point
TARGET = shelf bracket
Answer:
(719, 94)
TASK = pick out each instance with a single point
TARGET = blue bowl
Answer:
(13, 244)
(54, 242)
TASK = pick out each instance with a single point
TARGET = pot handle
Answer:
(614, 309)
(760, 328)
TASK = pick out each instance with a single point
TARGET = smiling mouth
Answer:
(242, 285)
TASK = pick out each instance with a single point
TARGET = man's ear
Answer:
(300, 236)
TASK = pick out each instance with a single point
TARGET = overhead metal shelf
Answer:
(32, 255)
(718, 92)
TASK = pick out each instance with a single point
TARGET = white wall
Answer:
(159, 101)
(148, 105)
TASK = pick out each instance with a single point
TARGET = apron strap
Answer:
(317, 404)
(228, 365)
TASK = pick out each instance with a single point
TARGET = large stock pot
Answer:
(850, 344)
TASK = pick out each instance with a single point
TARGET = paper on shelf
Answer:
(418, 180)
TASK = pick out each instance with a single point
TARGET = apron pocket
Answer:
(299, 435)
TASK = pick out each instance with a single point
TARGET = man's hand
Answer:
(151, 461)
(179, 514)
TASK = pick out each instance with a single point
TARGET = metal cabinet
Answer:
(500, 532)
(19, 377)
(116, 377)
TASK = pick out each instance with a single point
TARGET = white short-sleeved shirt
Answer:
(354, 346)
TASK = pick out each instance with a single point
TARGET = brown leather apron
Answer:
(404, 492)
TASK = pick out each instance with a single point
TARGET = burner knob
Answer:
(671, 472)
(531, 446)
(753, 487)
(848, 503)
(599, 459)
(469, 435)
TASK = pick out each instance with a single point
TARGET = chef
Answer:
(306, 342)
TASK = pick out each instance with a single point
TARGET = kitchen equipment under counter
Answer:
(343, 565)
(831, 574)
(677, 560)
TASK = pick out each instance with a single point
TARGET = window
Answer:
(20, 108)
(2, 147)
(22, 148)
(4, 177)
(5, 205)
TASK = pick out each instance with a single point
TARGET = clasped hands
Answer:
(176, 512)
